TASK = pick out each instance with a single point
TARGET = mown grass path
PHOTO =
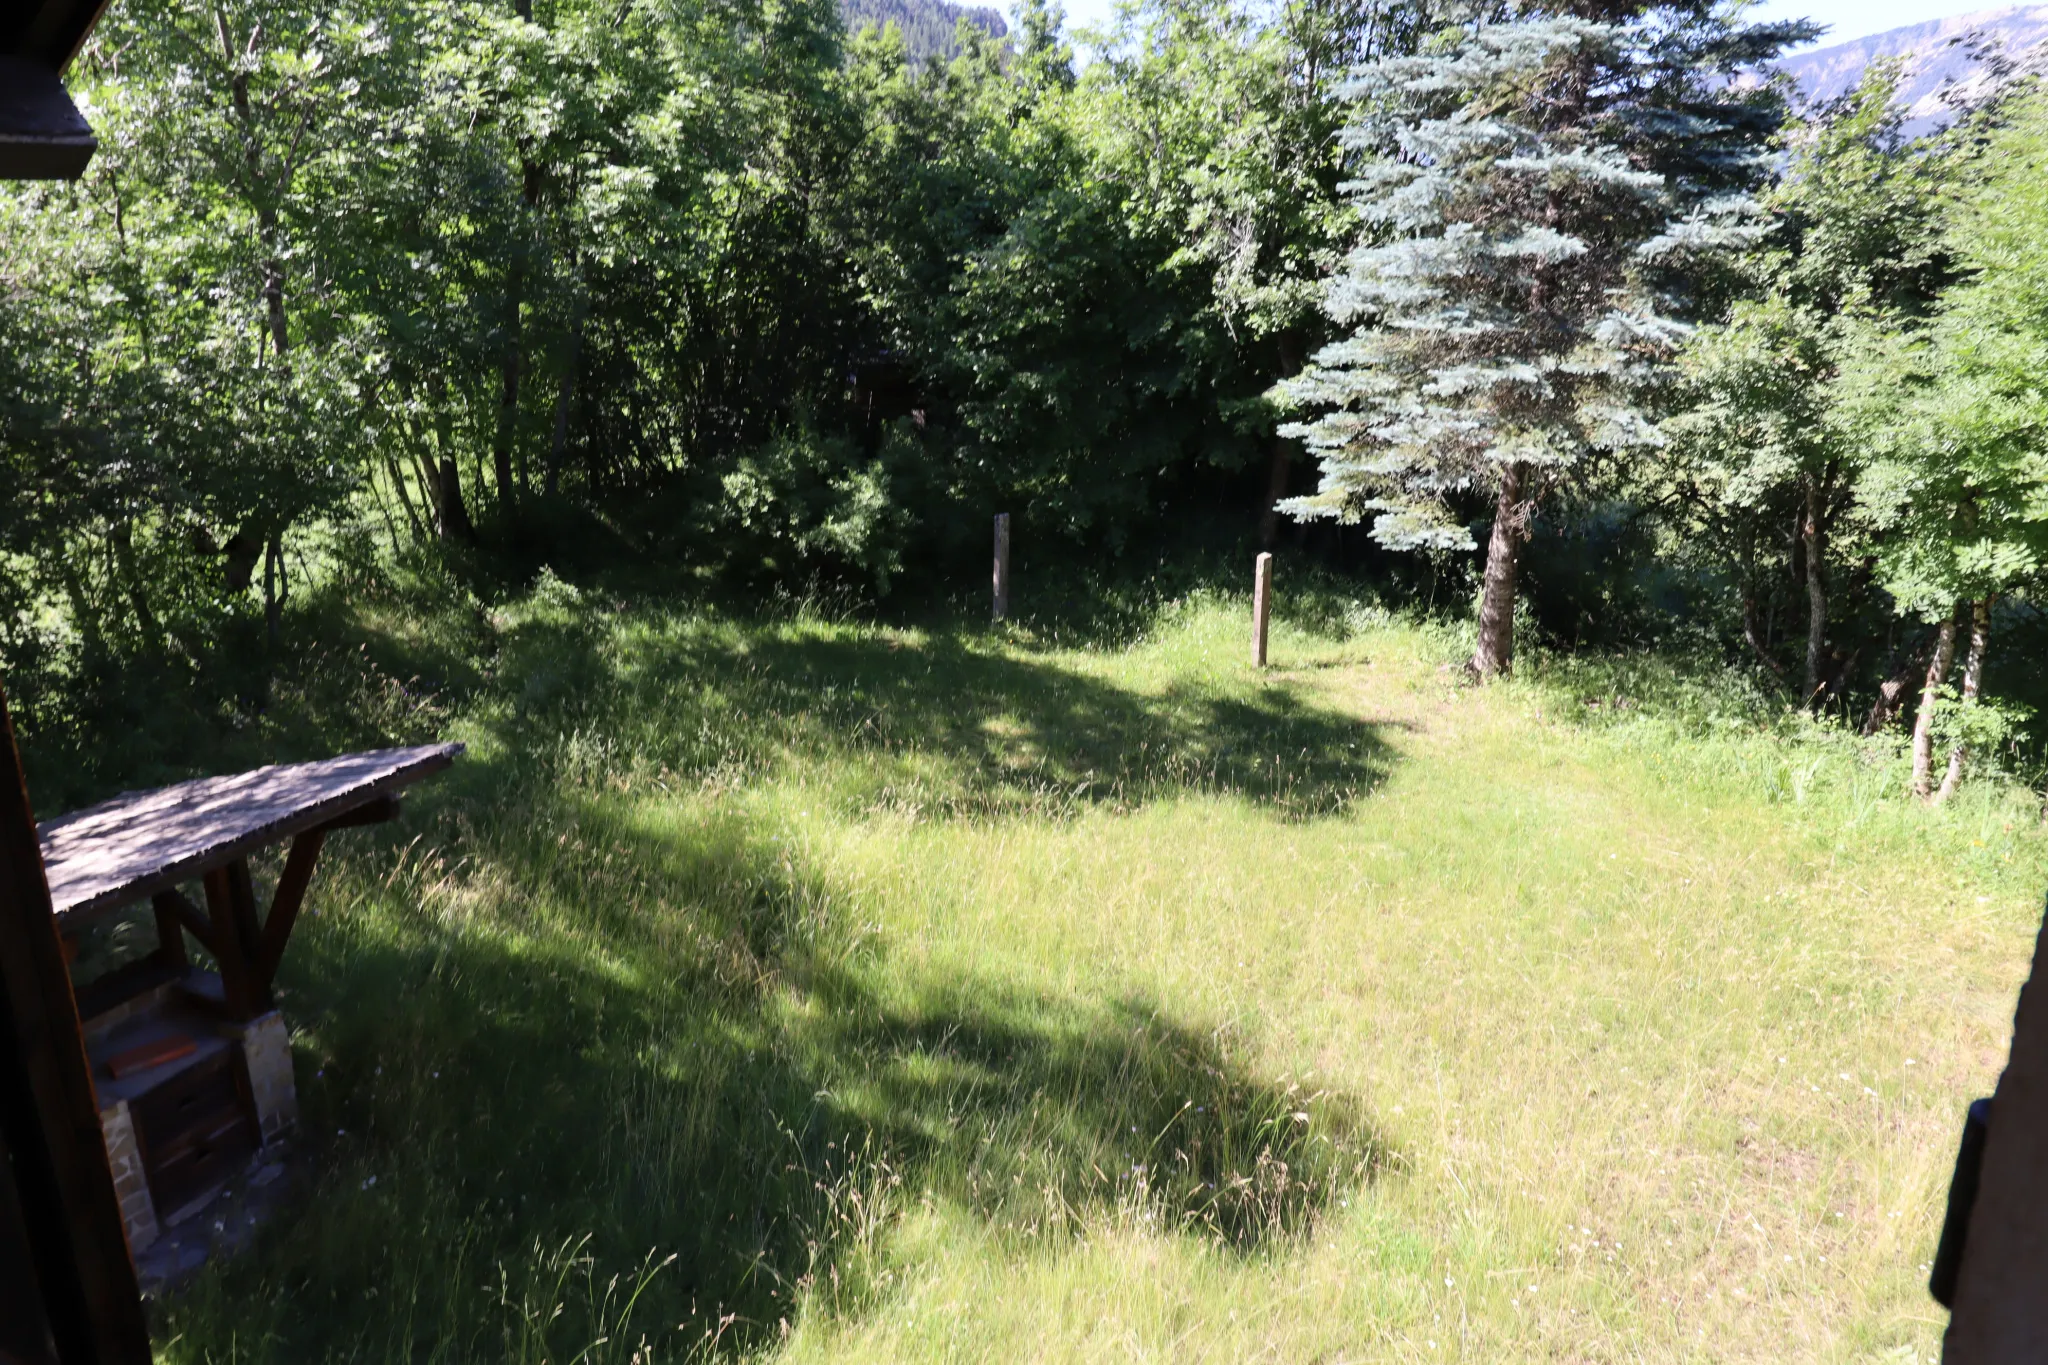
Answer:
(942, 997)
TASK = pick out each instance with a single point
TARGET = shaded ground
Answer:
(602, 1010)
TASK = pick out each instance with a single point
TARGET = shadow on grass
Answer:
(937, 725)
(671, 1039)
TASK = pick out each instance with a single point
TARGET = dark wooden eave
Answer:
(42, 134)
(49, 33)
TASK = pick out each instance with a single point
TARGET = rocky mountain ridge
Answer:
(1948, 63)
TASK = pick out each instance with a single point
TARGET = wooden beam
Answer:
(237, 938)
(183, 914)
(1002, 573)
(1262, 607)
(375, 811)
(170, 928)
(125, 983)
(49, 1114)
(284, 904)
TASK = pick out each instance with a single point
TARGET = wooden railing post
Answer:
(1262, 607)
(1002, 579)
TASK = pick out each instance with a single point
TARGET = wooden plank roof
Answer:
(139, 843)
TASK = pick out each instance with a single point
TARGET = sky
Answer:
(1846, 19)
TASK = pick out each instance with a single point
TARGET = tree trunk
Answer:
(82, 614)
(271, 601)
(1280, 454)
(1973, 676)
(1495, 654)
(131, 580)
(508, 396)
(514, 358)
(412, 517)
(1891, 693)
(425, 473)
(384, 508)
(455, 522)
(242, 551)
(565, 401)
(1753, 631)
(1280, 463)
(1930, 693)
(264, 202)
(1814, 537)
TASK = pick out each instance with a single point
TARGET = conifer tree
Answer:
(1538, 193)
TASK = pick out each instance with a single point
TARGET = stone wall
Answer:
(131, 1185)
(267, 1048)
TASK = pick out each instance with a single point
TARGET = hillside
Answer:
(928, 25)
(1947, 61)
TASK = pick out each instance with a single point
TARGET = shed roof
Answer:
(139, 843)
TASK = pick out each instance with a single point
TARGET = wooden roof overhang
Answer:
(42, 134)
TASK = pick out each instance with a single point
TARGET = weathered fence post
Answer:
(1262, 608)
(1002, 582)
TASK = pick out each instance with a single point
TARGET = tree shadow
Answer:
(680, 1041)
(936, 724)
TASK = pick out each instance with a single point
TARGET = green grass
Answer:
(812, 990)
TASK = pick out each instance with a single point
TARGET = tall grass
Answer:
(799, 987)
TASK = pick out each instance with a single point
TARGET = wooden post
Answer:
(1002, 581)
(237, 939)
(57, 1157)
(1262, 608)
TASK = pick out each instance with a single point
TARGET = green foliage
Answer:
(725, 290)
(1957, 492)
(1768, 434)
(809, 499)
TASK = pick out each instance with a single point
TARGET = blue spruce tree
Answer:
(1542, 196)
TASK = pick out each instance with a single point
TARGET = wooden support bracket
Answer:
(176, 912)
(372, 812)
(285, 902)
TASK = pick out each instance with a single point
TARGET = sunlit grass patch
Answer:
(935, 995)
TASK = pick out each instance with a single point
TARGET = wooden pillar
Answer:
(63, 1187)
(1002, 580)
(237, 939)
(1262, 608)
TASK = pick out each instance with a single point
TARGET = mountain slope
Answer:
(1947, 62)
(927, 24)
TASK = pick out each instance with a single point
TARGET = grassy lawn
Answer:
(819, 991)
